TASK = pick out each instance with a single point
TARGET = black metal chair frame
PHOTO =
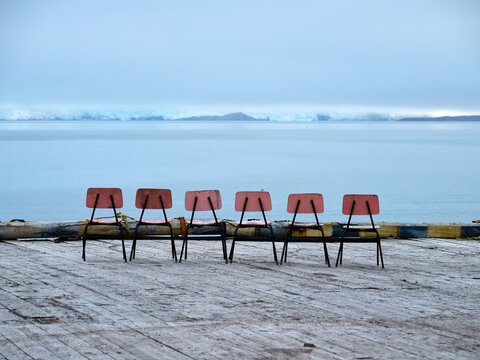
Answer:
(156, 237)
(220, 227)
(290, 237)
(94, 223)
(364, 240)
(266, 225)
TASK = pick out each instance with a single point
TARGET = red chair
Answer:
(104, 198)
(253, 201)
(204, 200)
(360, 205)
(153, 199)
(304, 204)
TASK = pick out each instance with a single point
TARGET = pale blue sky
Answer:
(152, 54)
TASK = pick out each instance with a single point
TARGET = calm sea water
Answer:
(421, 171)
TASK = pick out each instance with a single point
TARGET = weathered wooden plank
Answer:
(86, 340)
(48, 336)
(85, 349)
(422, 305)
(31, 347)
(10, 350)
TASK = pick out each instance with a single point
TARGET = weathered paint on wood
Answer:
(423, 305)
(74, 229)
(444, 231)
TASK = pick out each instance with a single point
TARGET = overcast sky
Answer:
(411, 54)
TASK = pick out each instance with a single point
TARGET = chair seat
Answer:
(205, 222)
(300, 224)
(254, 223)
(361, 227)
(153, 221)
(105, 221)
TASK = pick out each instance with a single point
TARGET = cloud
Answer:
(110, 53)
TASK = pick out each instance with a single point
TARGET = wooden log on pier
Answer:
(74, 230)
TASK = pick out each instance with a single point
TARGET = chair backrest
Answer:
(253, 203)
(360, 204)
(202, 200)
(154, 198)
(104, 200)
(305, 206)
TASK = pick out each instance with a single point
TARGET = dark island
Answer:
(238, 116)
(443, 118)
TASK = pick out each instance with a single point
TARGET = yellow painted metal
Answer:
(444, 231)
(306, 233)
(328, 230)
(248, 232)
(97, 230)
(386, 231)
(18, 230)
(367, 234)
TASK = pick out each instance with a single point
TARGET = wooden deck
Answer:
(424, 304)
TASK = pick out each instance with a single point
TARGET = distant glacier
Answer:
(192, 116)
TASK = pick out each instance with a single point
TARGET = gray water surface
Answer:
(421, 171)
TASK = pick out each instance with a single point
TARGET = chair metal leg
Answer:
(378, 260)
(340, 250)
(134, 243)
(274, 253)
(283, 258)
(184, 245)
(232, 249)
(273, 245)
(285, 246)
(381, 255)
(340, 254)
(172, 244)
(224, 245)
(84, 242)
(123, 243)
(174, 250)
(172, 241)
(325, 252)
(224, 251)
(181, 252)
